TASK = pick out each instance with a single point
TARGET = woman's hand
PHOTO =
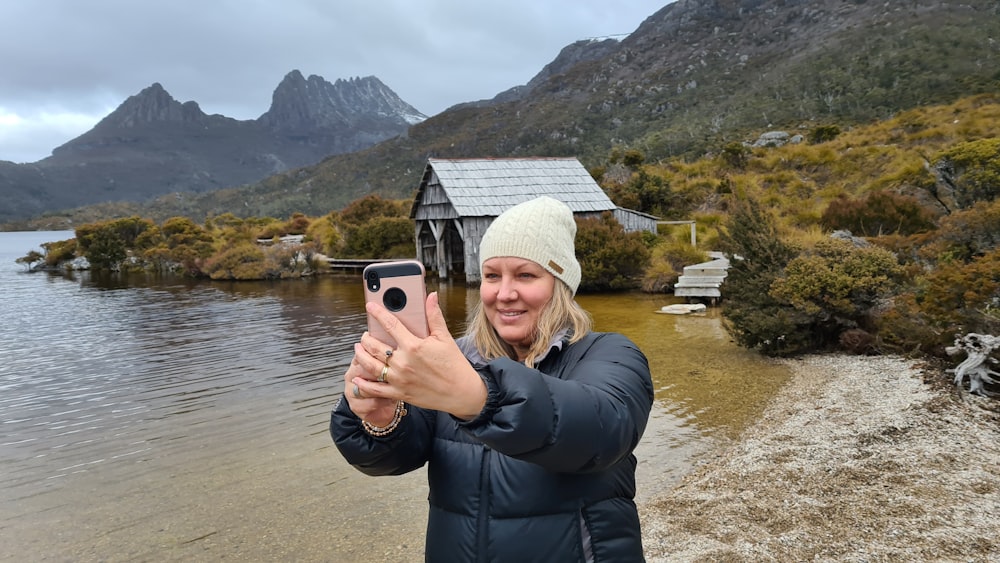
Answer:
(375, 410)
(427, 372)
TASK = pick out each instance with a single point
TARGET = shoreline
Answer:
(855, 459)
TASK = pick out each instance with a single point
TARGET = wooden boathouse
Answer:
(459, 198)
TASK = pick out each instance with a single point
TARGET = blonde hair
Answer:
(561, 312)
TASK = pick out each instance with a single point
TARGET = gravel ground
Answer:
(856, 459)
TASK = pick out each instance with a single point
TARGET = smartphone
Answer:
(399, 287)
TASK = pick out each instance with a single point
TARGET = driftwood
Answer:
(975, 366)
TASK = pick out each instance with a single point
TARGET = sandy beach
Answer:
(856, 459)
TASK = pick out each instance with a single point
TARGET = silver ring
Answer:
(357, 392)
(388, 354)
(385, 372)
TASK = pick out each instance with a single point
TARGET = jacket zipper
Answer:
(482, 521)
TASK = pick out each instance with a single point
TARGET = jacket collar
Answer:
(471, 353)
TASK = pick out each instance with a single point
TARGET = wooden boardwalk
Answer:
(354, 263)
(703, 280)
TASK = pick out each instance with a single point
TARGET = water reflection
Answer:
(145, 418)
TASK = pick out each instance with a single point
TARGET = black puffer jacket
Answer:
(545, 473)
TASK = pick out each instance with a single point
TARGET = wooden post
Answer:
(694, 241)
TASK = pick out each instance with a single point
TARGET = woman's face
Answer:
(514, 291)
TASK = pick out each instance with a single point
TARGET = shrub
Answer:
(325, 234)
(957, 298)
(102, 244)
(362, 210)
(823, 133)
(967, 234)
(59, 251)
(972, 169)
(240, 262)
(186, 243)
(835, 287)
(644, 191)
(609, 257)
(735, 155)
(380, 237)
(757, 255)
(633, 158)
(880, 212)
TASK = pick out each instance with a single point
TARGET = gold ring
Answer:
(385, 372)
(357, 392)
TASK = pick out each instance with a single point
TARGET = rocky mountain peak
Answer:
(310, 104)
(151, 105)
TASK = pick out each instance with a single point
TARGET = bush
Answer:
(360, 211)
(878, 213)
(644, 191)
(823, 133)
(185, 243)
(60, 251)
(380, 237)
(242, 261)
(325, 234)
(972, 169)
(610, 258)
(757, 256)
(957, 298)
(968, 234)
(102, 244)
(836, 286)
(735, 155)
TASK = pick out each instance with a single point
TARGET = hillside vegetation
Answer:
(695, 77)
(913, 202)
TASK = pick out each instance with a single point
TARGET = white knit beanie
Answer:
(541, 230)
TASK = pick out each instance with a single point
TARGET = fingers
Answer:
(368, 364)
(389, 322)
(435, 317)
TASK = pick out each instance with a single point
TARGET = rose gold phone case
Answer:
(399, 287)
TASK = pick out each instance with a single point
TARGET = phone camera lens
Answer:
(394, 299)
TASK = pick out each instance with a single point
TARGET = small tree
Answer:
(758, 256)
(30, 258)
(102, 244)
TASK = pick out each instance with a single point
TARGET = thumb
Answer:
(435, 317)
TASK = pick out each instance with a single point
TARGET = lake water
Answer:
(145, 419)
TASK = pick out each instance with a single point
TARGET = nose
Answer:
(506, 291)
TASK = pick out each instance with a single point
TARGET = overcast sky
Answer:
(65, 64)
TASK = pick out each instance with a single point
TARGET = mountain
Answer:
(153, 145)
(693, 77)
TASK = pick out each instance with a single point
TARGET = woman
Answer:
(527, 423)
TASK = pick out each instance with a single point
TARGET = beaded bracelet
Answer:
(380, 431)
